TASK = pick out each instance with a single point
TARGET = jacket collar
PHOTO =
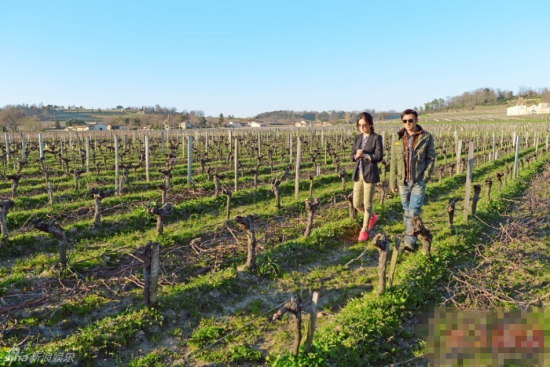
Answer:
(419, 131)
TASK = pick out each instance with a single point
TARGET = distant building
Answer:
(90, 126)
(185, 125)
(94, 126)
(117, 127)
(521, 109)
(234, 124)
(303, 123)
(256, 124)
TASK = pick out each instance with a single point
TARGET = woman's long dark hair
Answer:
(368, 118)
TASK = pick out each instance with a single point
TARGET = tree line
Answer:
(332, 116)
(483, 97)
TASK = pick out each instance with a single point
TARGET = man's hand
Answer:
(394, 190)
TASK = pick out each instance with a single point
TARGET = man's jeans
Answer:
(412, 198)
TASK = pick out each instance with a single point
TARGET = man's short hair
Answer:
(409, 111)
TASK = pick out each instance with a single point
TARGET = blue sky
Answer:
(246, 57)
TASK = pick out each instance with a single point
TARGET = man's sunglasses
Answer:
(410, 121)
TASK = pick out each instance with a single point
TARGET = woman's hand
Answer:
(358, 154)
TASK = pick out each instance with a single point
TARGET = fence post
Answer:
(393, 156)
(297, 179)
(494, 147)
(458, 155)
(154, 273)
(290, 146)
(516, 157)
(189, 158)
(116, 165)
(393, 261)
(88, 154)
(236, 164)
(470, 169)
(312, 320)
(147, 158)
(41, 145)
(23, 152)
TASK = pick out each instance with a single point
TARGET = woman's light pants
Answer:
(363, 195)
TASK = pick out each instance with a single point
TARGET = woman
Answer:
(367, 152)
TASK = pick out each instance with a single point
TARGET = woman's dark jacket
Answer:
(374, 148)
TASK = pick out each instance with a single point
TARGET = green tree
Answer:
(57, 124)
(220, 121)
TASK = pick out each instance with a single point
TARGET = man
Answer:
(415, 157)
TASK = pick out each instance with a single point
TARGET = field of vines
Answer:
(218, 247)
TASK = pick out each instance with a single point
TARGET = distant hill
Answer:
(484, 97)
(333, 117)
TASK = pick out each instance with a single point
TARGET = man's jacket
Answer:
(423, 158)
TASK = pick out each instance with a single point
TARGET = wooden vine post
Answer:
(116, 165)
(7, 140)
(488, 185)
(275, 182)
(87, 154)
(98, 196)
(5, 206)
(477, 191)
(380, 241)
(312, 320)
(298, 159)
(499, 179)
(227, 193)
(23, 147)
(247, 224)
(451, 210)
(393, 261)
(422, 233)
(393, 162)
(57, 231)
(236, 165)
(469, 173)
(189, 158)
(342, 176)
(150, 256)
(311, 207)
(458, 154)
(516, 157)
(294, 306)
(161, 213)
(45, 172)
(147, 158)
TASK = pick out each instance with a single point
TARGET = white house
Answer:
(256, 124)
(521, 109)
(185, 125)
(234, 124)
(90, 126)
(94, 126)
(303, 123)
(117, 127)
